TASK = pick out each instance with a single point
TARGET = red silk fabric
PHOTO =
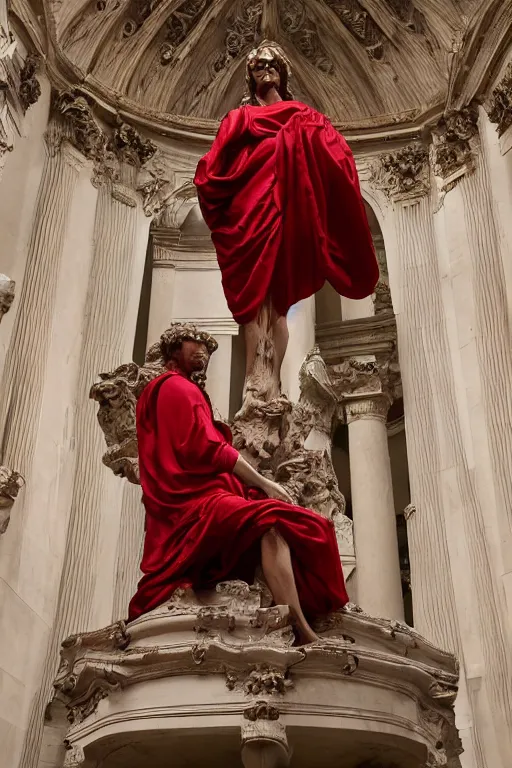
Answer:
(280, 193)
(203, 525)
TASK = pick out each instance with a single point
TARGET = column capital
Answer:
(454, 142)
(367, 388)
(404, 174)
(499, 106)
(375, 407)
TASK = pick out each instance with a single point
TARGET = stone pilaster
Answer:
(89, 571)
(453, 558)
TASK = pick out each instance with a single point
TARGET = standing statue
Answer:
(210, 516)
(280, 193)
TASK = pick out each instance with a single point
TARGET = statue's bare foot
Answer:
(304, 635)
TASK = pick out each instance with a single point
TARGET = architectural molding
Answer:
(374, 653)
(221, 326)
(375, 407)
(375, 335)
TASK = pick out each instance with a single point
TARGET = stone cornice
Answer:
(357, 338)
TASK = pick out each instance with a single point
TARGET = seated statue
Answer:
(280, 193)
(210, 516)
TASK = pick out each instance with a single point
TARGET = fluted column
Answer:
(88, 580)
(42, 360)
(301, 326)
(445, 274)
(379, 587)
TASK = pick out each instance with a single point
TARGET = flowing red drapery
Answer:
(203, 525)
(280, 193)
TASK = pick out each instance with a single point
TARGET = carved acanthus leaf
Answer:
(7, 287)
(301, 30)
(358, 379)
(403, 174)
(85, 133)
(361, 25)
(500, 106)
(264, 679)
(262, 710)
(10, 484)
(130, 146)
(29, 89)
(453, 143)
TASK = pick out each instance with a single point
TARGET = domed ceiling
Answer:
(356, 60)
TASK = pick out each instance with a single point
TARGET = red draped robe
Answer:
(280, 193)
(203, 525)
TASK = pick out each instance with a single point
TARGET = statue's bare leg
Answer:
(280, 335)
(266, 339)
(276, 563)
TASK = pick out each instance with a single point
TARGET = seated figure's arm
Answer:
(250, 476)
(196, 443)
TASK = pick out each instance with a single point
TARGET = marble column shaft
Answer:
(301, 326)
(89, 572)
(41, 359)
(379, 589)
(454, 595)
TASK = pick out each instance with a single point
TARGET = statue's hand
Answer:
(275, 491)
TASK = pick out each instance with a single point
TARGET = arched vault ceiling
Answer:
(353, 59)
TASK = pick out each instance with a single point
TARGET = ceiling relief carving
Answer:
(361, 62)
(406, 12)
(179, 24)
(302, 31)
(361, 25)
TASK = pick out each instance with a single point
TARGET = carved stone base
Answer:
(219, 669)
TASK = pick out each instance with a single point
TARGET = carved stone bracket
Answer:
(499, 108)
(454, 146)
(403, 175)
(106, 150)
